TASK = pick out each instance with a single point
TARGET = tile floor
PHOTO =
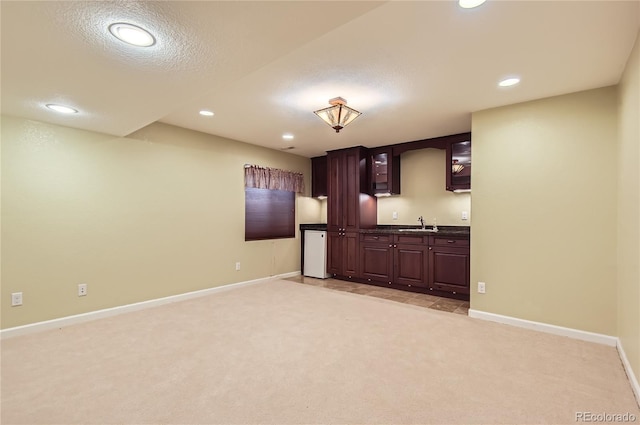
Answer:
(423, 300)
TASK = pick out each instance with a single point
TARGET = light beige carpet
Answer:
(287, 353)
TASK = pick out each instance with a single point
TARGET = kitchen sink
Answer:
(418, 230)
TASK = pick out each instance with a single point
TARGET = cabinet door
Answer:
(343, 208)
(459, 165)
(342, 254)
(410, 265)
(351, 190)
(376, 262)
(385, 172)
(334, 253)
(334, 190)
(449, 269)
(350, 254)
(349, 207)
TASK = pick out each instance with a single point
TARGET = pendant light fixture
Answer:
(338, 115)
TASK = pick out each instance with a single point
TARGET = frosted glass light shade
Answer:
(339, 115)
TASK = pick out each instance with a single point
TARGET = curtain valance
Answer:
(273, 178)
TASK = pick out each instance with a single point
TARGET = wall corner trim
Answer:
(114, 311)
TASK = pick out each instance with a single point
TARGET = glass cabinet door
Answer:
(380, 177)
(459, 169)
(385, 172)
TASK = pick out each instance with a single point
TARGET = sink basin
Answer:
(418, 230)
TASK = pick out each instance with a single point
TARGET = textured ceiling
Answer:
(415, 69)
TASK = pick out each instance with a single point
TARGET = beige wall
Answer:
(423, 193)
(323, 211)
(544, 203)
(629, 211)
(155, 214)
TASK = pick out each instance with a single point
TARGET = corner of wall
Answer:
(628, 221)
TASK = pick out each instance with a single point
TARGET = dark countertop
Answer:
(395, 229)
(442, 230)
(316, 226)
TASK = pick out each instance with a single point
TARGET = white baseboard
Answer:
(286, 275)
(635, 386)
(108, 312)
(611, 341)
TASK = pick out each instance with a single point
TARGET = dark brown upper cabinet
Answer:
(319, 177)
(459, 165)
(385, 172)
(349, 206)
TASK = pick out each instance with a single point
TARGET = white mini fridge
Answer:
(315, 254)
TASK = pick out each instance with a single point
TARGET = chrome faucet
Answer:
(421, 220)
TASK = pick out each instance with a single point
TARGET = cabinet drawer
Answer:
(445, 241)
(413, 239)
(372, 237)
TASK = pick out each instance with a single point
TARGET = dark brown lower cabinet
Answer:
(426, 263)
(376, 258)
(410, 264)
(392, 259)
(342, 254)
(449, 269)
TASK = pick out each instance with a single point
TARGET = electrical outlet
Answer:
(238, 266)
(82, 289)
(16, 299)
(481, 287)
(395, 215)
(465, 215)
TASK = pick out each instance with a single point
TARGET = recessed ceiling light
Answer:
(470, 4)
(132, 34)
(61, 108)
(287, 136)
(206, 113)
(508, 82)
